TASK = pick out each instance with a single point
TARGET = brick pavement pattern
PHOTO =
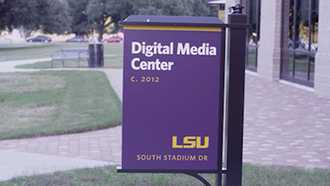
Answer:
(284, 125)
(102, 145)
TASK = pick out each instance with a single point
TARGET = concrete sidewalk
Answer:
(27, 157)
(13, 164)
(101, 145)
(9, 66)
(284, 125)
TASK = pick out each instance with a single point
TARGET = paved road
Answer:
(284, 125)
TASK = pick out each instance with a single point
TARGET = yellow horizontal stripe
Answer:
(172, 28)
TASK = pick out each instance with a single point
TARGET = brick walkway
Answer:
(102, 145)
(283, 126)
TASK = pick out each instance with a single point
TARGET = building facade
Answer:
(289, 40)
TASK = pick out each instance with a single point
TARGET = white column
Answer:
(322, 63)
(269, 55)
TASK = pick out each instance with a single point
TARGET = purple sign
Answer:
(172, 99)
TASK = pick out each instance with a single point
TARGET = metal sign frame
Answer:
(236, 30)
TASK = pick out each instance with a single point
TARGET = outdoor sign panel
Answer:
(172, 99)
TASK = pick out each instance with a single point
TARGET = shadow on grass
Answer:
(253, 176)
(56, 102)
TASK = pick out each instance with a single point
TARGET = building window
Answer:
(254, 30)
(301, 44)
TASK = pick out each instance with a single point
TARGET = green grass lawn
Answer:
(112, 51)
(50, 102)
(32, 51)
(107, 176)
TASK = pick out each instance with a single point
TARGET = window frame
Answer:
(310, 55)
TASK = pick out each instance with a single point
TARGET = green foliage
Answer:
(94, 14)
(84, 16)
(100, 11)
(51, 16)
(172, 7)
(3, 12)
(79, 24)
(15, 13)
(201, 8)
(55, 16)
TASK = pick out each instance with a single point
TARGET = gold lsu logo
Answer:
(191, 142)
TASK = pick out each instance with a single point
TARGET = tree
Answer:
(103, 13)
(80, 24)
(53, 16)
(17, 13)
(3, 12)
(171, 7)
(176, 8)
(201, 8)
(50, 16)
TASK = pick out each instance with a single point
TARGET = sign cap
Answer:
(173, 21)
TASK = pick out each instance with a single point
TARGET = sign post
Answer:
(235, 99)
(173, 95)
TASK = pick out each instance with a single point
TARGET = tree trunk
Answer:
(101, 30)
(101, 33)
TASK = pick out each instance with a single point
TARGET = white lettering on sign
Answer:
(203, 50)
(157, 48)
(137, 64)
(151, 50)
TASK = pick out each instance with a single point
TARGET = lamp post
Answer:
(237, 9)
(230, 11)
